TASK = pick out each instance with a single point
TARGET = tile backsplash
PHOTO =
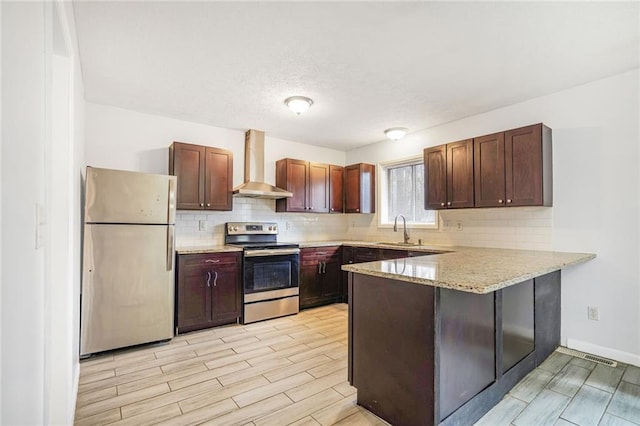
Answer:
(515, 227)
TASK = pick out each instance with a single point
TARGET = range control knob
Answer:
(235, 228)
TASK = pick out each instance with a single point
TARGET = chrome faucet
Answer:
(395, 227)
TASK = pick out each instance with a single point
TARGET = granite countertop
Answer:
(393, 246)
(474, 270)
(206, 248)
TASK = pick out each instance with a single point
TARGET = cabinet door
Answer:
(363, 254)
(332, 277)
(359, 188)
(187, 163)
(435, 177)
(336, 183)
(225, 293)
(523, 166)
(310, 282)
(318, 200)
(218, 179)
(292, 175)
(193, 299)
(460, 174)
(488, 160)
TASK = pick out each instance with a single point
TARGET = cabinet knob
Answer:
(201, 204)
(442, 204)
(448, 203)
(208, 204)
(311, 208)
(332, 209)
(508, 200)
(500, 201)
(357, 210)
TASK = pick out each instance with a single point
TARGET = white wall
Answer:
(595, 172)
(39, 303)
(23, 133)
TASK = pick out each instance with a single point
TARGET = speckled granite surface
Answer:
(206, 248)
(474, 270)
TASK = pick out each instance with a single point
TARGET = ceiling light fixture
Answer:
(298, 104)
(395, 133)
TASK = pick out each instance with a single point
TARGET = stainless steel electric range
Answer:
(269, 272)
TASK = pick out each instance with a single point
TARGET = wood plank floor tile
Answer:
(200, 377)
(531, 385)
(503, 413)
(626, 402)
(133, 360)
(261, 343)
(555, 362)
(203, 414)
(234, 357)
(120, 400)
(152, 403)
(118, 380)
(286, 352)
(345, 389)
(130, 368)
(226, 392)
(300, 409)
(103, 418)
(316, 386)
(251, 412)
(151, 417)
(632, 375)
(605, 378)
(252, 371)
(98, 395)
(315, 351)
(97, 376)
(337, 411)
(195, 361)
(163, 378)
(294, 368)
(544, 410)
(587, 407)
(263, 392)
(328, 368)
(361, 418)
(569, 380)
(306, 421)
(610, 420)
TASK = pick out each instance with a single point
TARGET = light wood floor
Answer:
(290, 370)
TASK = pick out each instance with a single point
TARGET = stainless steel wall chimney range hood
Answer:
(254, 185)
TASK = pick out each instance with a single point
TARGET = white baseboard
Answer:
(614, 354)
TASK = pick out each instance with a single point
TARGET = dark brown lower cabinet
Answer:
(208, 290)
(422, 355)
(320, 276)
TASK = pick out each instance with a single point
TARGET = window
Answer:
(401, 191)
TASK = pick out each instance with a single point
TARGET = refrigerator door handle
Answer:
(171, 216)
(170, 248)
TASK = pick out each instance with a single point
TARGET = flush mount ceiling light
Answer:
(298, 104)
(395, 133)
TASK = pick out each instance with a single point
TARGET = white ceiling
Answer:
(367, 65)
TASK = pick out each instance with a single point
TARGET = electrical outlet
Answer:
(288, 225)
(593, 313)
(202, 225)
(446, 224)
(459, 225)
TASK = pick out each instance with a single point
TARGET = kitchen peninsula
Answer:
(440, 339)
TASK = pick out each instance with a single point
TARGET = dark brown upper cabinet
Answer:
(205, 176)
(309, 183)
(336, 189)
(360, 188)
(513, 168)
(448, 175)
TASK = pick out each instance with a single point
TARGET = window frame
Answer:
(384, 221)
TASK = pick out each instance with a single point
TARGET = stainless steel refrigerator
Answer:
(128, 259)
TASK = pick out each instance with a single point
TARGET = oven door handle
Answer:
(274, 252)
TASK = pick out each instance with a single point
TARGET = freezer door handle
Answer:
(171, 216)
(170, 255)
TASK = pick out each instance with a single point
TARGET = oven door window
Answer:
(266, 273)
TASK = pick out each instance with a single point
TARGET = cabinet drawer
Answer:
(321, 253)
(210, 259)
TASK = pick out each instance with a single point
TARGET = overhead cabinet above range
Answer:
(205, 176)
(504, 169)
